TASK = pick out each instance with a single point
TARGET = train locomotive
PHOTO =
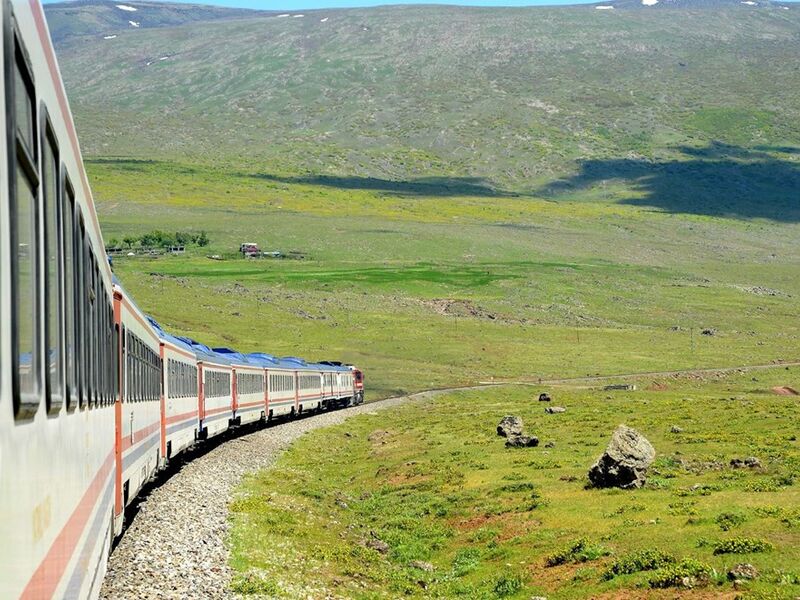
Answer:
(95, 396)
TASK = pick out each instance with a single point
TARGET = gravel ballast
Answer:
(175, 546)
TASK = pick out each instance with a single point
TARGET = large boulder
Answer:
(625, 462)
(509, 426)
(522, 441)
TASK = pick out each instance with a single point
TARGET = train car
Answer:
(215, 397)
(180, 415)
(58, 345)
(307, 384)
(281, 390)
(138, 410)
(249, 401)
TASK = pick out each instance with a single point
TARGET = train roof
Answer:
(204, 353)
(168, 337)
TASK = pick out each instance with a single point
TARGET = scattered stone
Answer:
(676, 429)
(742, 571)
(538, 597)
(625, 461)
(543, 397)
(378, 545)
(627, 387)
(751, 462)
(550, 444)
(509, 426)
(709, 331)
(522, 441)
(421, 565)
(551, 410)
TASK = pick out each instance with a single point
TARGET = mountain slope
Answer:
(107, 17)
(533, 101)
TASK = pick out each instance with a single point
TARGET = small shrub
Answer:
(507, 584)
(762, 485)
(644, 560)
(578, 551)
(687, 573)
(253, 582)
(742, 546)
(728, 521)
(466, 561)
(522, 486)
(686, 508)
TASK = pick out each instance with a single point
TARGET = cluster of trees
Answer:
(161, 239)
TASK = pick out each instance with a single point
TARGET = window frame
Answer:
(20, 157)
(53, 403)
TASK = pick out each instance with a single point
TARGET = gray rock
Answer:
(676, 429)
(378, 545)
(522, 441)
(509, 426)
(421, 565)
(751, 462)
(552, 410)
(625, 462)
(550, 444)
(709, 331)
(742, 571)
(544, 397)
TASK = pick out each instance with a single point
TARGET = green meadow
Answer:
(425, 501)
(429, 291)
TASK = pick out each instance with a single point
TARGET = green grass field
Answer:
(426, 291)
(435, 483)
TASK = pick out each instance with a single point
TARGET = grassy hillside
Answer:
(517, 98)
(106, 18)
(461, 516)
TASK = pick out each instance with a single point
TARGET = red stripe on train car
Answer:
(45, 580)
(139, 435)
(181, 417)
(215, 411)
(246, 404)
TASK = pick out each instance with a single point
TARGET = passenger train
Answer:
(95, 396)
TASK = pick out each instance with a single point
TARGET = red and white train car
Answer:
(180, 414)
(58, 339)
(215, 377)
(138, 410)
(249, 402)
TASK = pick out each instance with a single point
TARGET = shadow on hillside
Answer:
(424, 186)
(717, 180)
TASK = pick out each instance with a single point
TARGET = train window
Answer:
(24, 236)
(68, 251)
(52, 295)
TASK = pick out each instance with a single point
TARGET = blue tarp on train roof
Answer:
(262, 359)
(296, 364)
(168, 337)
(232, 355)
(204, 353)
